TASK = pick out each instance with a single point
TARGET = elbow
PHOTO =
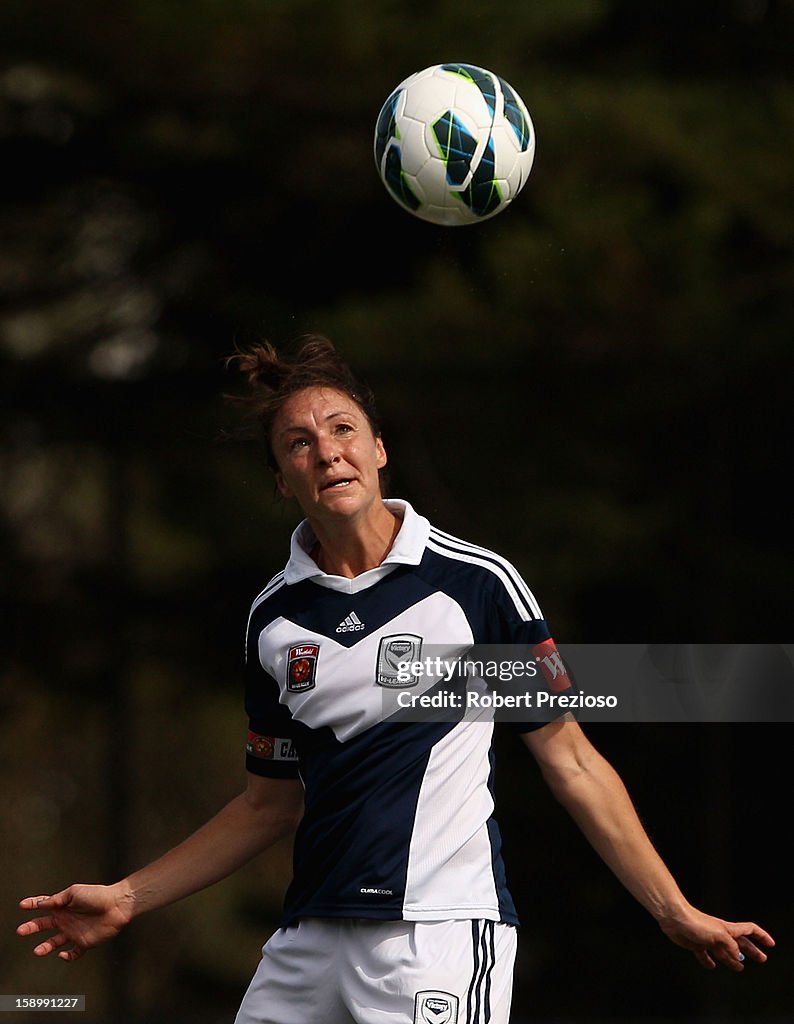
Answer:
(277, 823)
(278, 809)
(566, 781)
(561, 784)
(289, 819)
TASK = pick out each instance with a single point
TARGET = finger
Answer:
(734, 961)
(50, 945)
(71, 954)
(750, 930)
(751, 952)
(54, 942)
(34, 902)
(729, 953)
(705, 959)
(758, 934)
(37, 924)
(746, 935)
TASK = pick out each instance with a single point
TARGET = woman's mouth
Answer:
(337, 485)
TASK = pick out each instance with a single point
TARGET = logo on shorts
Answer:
(435, 1008)
(394, 651)
(302, 667)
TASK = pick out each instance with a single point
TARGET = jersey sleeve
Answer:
(270, 746)
(522, 627)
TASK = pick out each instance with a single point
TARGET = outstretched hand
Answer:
(81, 916)
(714, 941)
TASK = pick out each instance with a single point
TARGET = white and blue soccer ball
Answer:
(454, 144)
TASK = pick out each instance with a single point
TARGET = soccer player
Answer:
(398, 908)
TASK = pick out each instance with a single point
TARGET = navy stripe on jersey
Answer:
(523, 598)
(275, 584)
(507, 908)
(491, 556)
(340, 869)
(322, 611)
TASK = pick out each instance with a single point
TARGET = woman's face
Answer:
(327, 455)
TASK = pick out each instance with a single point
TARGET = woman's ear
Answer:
(282, 485)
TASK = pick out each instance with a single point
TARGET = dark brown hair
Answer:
(271, 377)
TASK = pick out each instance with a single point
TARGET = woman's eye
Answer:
(299, 442)
(344, 428)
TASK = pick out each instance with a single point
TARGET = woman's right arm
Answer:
(83, 916)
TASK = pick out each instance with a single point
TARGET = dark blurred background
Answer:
(595, 382)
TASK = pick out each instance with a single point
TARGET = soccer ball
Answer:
(454, 144)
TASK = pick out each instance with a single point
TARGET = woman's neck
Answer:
(350, 548)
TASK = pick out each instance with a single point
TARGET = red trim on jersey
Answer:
(552, 666)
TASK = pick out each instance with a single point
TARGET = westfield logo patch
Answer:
(302, 667)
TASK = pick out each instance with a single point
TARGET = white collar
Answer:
(407, 549)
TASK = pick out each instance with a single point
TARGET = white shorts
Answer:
(328, 971)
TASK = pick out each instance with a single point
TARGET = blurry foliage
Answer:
(595, 382)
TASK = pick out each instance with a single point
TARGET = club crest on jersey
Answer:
(393, 652)
(433, 1007)
(302, 667)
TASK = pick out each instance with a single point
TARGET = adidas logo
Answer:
(350, 624)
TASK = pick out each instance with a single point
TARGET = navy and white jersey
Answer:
(398, 820)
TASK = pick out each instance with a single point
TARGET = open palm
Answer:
(81, 916)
